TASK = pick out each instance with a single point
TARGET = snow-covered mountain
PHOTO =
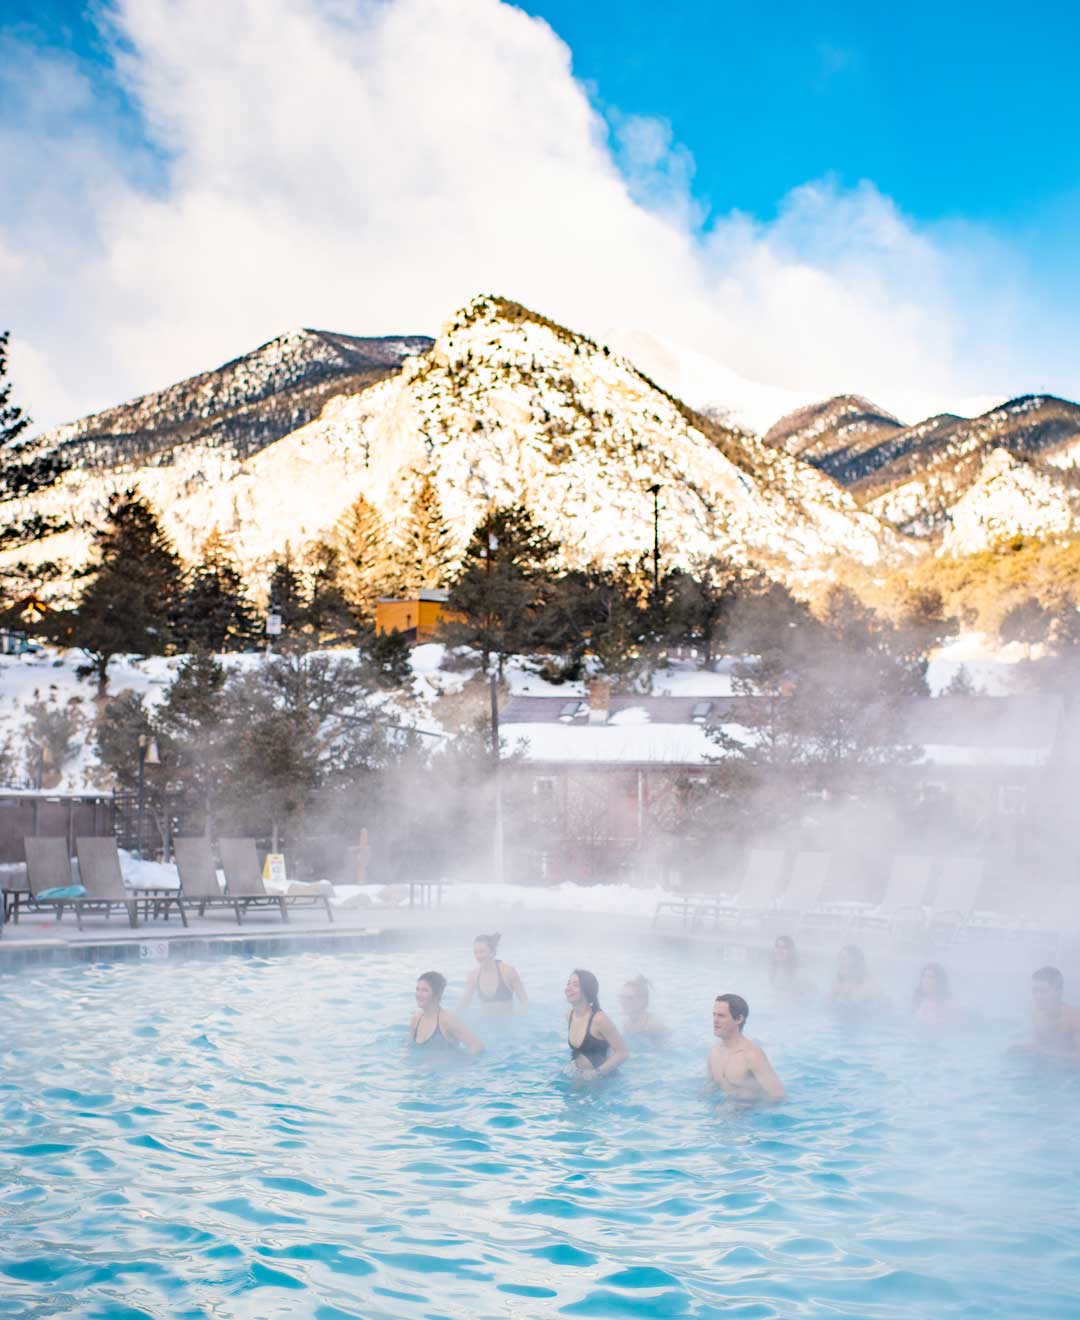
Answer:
(915, 477)
(503, 406)
(239, 407)
(1010, 497)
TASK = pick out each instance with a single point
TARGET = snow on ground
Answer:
(990, 665)
(622, 899)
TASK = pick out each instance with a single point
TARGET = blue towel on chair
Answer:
(64, 891)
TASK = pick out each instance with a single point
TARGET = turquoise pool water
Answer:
(249, 1138)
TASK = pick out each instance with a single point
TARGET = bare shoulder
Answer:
(510, 971)
(757, 1054)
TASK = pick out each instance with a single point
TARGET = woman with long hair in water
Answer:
(637, 1021)
(854, 986)
(433, 1027)
(494, 983)
(596, 1047)
(932, 1002)
(784, 964)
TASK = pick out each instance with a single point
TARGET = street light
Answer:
(148, 755)
(655, 492)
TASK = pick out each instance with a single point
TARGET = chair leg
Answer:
(284, 908)
(239, 916)
(329, 911)
(78, 915)
(183, 914)
(133, 914)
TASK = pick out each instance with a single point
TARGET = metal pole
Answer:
(656, 540)
(142, 789)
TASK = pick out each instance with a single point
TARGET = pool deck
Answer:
(39, 939)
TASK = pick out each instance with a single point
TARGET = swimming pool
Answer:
(248, 1138)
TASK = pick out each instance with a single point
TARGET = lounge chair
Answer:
(48, 868)
(99, 871)
(694, 906)
(757, 896)
(802, 897)
(198, 877)
(909, 879)
(243, 880)
(953, 908)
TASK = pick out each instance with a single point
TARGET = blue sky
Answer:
(819, 196)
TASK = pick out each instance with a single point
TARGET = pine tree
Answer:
(20, 477)
(133, 600)
(13, 421)
(286, 597)
(216, 614)
(502, 585)
(192, 720)
(367, 567)
(426, 547)
(327, 617)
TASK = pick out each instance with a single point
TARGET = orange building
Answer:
(417, 616)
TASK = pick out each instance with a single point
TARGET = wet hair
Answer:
(492, 940)
(940, 975)
(590, 986)
(792, 963)
(436, 980)
(1051, 976)
(737, 1007)
(641, 986)
(856, 957)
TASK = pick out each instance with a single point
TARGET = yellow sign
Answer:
(274, 868)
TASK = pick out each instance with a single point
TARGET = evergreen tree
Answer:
(367, 567)
(134, 597)
(502, 586)
(13, 421)
(604, 612)
(426, 548)
(697, 607)
(195, 735)
(297, 724)
(216, 613)
(20, 476)
(286, 596)
(386, 659)
(326, 615)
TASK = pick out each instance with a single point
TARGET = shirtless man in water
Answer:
(1057, 1024)
(738, 1066)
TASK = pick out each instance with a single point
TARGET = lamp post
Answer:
(655, 492)
(148, 755)
(493, 691)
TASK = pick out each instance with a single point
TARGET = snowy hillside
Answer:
(1010, 497)
(506, 406)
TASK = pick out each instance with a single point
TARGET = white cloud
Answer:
(369, 166)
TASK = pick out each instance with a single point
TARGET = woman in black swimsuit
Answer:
(595, 1044)
(432, 1025)
(494, 982)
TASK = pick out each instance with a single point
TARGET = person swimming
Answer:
(493, 982)
(1056, 1025)
(784, 964)
(854, 985)
(598, 1049)
(434, 1027)
(736, 1064)
(636, 1019)
(932, 1002)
